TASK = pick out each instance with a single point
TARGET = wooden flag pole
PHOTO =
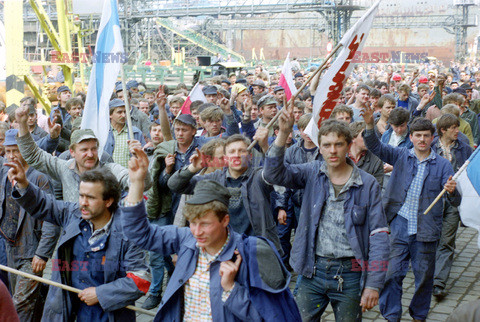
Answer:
(455, 177)
(315, 73)
(63, 286)
(127, 105)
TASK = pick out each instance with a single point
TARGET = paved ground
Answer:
(463, 285)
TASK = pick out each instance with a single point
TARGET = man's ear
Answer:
(226, 220)
(109, 202)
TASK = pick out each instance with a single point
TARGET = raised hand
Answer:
(225, 106)
(247, 105)
(367, 113)
(54, 128)
(16, 174)
(133, 145)
(286, 118)
(161, 98)
(138, 164)
(261, 136)
(234, 93)
(197, 162)
(21, 114)
(427, 98)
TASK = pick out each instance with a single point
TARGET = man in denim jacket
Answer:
(220, 275)
(419, 175)
(341, 243)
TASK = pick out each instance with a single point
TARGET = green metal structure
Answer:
(200, 40)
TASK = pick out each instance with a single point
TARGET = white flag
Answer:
(331, 84)
(107, 61)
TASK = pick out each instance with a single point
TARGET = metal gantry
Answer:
(141, 34)
(461, 26)
(145, 39)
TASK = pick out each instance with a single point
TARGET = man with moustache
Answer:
(84, 151)
(419, 175)
(118, 136)
(93, 254)
(249, 208)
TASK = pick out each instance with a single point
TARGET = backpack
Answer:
(272, 305)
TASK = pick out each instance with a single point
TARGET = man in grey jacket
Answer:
(139, 119)
(84, 150)
(93, 254)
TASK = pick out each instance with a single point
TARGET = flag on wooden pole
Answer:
(331, 84)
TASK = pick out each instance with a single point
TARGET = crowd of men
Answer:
(185, 199)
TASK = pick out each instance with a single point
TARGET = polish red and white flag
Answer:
(286, 79)
(196, 94)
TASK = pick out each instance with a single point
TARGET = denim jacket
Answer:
(33, 236)
(252, 298)
(110, 144)
(404, 164)
(461, 152)
(404, 143)
(365, 220)
(125, 268)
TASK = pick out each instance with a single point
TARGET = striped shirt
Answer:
(409, 209)
(197, 288)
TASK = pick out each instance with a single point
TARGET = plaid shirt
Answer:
(197, 288)
(121, 154)
(409, 209)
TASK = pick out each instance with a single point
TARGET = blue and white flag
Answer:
(468, 183)
(107, 61)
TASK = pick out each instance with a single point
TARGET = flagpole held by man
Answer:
(331, 85)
